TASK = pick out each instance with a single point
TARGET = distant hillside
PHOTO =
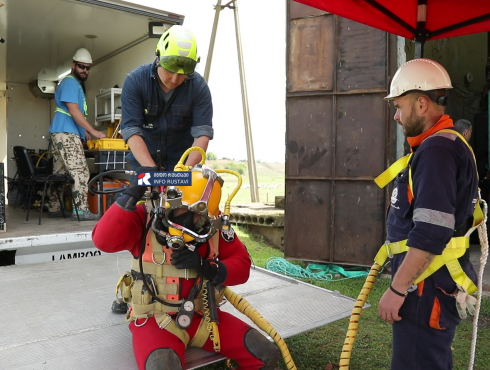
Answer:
(263, 169)
(270, 179)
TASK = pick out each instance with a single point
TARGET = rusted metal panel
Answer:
(361, 56)
(310, 58)
(361, 135)
(359, 211)
(337, 141)
(308, 215)
(309, 137)
(297, 10)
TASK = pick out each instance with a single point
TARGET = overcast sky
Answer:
(262, 26)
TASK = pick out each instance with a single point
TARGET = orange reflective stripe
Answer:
(435, 315)
(409, 195)
(420, 288)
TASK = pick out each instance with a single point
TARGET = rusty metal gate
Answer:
(337, 137)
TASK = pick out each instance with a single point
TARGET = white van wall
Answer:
(28, 117)
(28, 120)
(114, 71)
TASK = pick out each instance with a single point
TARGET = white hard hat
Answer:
(419, 74)
(82, 55)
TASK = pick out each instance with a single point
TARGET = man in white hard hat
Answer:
(68, 128)
(432, 204)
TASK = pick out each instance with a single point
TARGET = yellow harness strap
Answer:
(164, 321)
(201, 336)
(456, 247)
(389, 174)
(85, 110)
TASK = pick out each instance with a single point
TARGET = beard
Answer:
(413, 125)
(78, 76)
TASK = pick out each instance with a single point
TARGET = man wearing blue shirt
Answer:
(68, 128)
(166, 105)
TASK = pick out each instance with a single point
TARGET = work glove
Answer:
(208, 268)
(133, 193)
(465, 302)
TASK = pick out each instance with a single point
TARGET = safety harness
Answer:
(164, 279)
(85, 108)
(456, 247)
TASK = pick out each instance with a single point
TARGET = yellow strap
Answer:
(389, 174)
(451, 132)
(455, 249)
(462, 138)
(201, 336)
(165, 322)
(60, 110)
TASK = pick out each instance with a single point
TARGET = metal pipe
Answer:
(121, 49)
(218, 8)
(254, 192)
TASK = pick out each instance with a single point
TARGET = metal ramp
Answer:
(57, 315)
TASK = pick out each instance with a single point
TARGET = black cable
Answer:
(94, 189)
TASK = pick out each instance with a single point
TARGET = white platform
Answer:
(57, 315)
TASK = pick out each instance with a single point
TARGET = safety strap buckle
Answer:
(388, 249)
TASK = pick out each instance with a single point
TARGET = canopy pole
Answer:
(254, 191)
(211, 42)
(419, 49)
(252, 172)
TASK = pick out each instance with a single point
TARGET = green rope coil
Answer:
(314, 271)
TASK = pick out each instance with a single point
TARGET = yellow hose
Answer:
(350, 338)
(180, 166)
(242, 305)
(231, 196)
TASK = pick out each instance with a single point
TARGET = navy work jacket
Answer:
(445, 191)
(169, 127)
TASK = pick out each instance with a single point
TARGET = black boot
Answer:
(119, 307)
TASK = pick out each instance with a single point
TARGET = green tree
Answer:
(240, 168)
(211, 156)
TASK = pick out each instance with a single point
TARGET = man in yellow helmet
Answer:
(166, 105)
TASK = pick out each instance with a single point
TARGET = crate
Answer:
(107, 199)
(107, 160)
(110, 144)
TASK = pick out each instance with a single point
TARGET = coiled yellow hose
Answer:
(242, 305)
(350, 338)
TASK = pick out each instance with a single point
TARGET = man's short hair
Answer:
(462, 125)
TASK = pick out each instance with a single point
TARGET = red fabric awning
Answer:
(443, 18)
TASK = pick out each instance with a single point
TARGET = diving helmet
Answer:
(192, 213)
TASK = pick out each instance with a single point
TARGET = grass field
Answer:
(314, 349)
(270, 179)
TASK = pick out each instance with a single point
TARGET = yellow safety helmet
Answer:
(201, 198)
(177, 50)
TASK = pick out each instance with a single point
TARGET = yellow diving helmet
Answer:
(192, 213)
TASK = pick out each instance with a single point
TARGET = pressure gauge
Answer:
(189, 306)
(184, 321)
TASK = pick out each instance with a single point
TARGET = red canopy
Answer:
(443, 18)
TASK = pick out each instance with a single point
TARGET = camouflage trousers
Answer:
(69, 158)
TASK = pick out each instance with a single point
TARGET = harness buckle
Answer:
(388, 249)
(163, 323)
